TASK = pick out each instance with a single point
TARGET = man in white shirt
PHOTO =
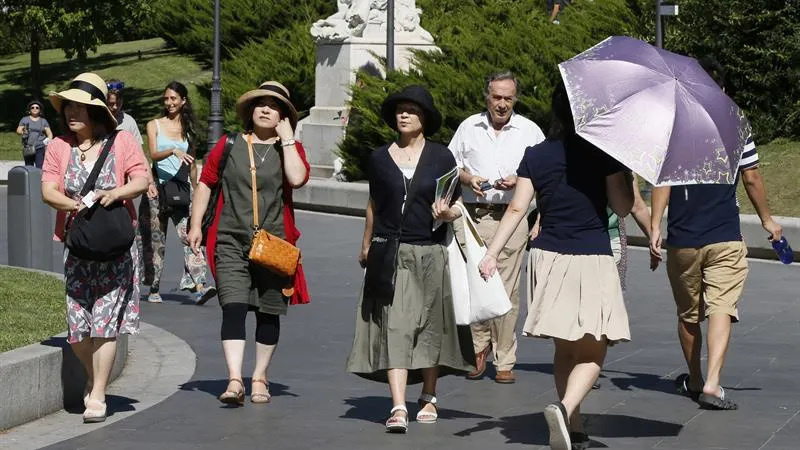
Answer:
(488, 148)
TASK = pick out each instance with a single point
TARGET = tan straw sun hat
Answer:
(267, 89)
(88, 89)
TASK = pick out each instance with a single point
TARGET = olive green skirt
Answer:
(417, 330)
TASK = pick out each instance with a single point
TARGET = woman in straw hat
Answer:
(280, 165)
(574, 292)
(171, 140)
(102, 296)
(409, 335)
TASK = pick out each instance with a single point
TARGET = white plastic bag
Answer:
(487, 299)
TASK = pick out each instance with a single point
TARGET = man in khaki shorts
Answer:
(488, 148)
(707, 265)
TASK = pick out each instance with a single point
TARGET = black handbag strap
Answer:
(413, 186)
(98, 165)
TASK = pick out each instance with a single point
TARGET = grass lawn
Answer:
(780, 164)
(31, 307)
(145, 66)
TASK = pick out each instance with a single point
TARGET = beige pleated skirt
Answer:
(570, 296)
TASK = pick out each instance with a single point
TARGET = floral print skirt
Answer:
(102, 296)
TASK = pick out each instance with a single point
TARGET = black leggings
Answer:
(234, 315)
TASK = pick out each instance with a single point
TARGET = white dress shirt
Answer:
(480, 151)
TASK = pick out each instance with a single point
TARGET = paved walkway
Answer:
(317, 405)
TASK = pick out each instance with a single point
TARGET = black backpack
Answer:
(211, 210)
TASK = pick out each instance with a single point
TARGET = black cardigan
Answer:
(386, 188)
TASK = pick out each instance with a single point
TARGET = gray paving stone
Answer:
(317, 405)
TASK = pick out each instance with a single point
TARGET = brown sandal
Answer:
(258, 397)
(233, 397)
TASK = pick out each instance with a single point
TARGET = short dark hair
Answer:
(116, 90)
(562, 125)
(101, 121)
(714, 69)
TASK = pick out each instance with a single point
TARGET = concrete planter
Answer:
(40, 379)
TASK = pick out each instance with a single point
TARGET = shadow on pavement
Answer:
(217, 387)
(376, 410)
(531, 429)
(115, 403)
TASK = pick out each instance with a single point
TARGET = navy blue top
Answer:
(705, 214)
(571, 196)
(386, 188)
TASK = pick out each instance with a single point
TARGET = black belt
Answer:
(487, 207)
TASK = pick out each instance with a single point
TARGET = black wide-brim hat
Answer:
(416, 94)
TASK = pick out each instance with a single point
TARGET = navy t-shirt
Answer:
(571, 196)
(705, 214)
(388, 187)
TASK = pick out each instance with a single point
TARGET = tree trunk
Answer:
(36, 82)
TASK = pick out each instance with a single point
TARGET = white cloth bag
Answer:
(474, 299)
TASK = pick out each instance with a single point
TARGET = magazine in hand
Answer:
(445, 187)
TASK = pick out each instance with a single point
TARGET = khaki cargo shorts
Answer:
(707, 280)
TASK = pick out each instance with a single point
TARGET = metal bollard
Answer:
(30, 221)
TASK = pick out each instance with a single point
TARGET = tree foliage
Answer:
(76, 26)
(287, 56)
(478, 38)
(188, 24)
(759, 45)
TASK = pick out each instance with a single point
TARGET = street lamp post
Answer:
(215, 116)
(659, 30)
(390, 35)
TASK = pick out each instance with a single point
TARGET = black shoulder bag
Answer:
(100, 233)
(381, 273)
(176, 193)
(211, 209)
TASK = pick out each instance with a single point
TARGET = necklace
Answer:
(261, 157)
(83, 152)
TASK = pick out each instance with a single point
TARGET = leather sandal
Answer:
(398, 423)
(94, 415)
(233, 397)
(427, 416)
(259, 397)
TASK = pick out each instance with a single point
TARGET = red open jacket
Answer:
(210, 178)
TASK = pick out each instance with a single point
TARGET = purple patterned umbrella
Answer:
(658, 113)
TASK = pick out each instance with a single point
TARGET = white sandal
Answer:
(427, 416)
(94, 415)
(397, 424)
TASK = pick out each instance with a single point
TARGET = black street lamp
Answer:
(390, 35)
(215, 116)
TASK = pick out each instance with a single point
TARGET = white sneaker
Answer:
(154, 298)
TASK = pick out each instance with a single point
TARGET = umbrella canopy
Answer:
(657, 112)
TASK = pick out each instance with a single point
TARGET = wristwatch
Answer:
(289, 142)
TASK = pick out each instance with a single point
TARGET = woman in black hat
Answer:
(36, 134)
(405, 327)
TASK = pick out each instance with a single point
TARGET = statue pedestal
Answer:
(336, 68)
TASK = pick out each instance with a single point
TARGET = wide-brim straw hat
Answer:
(88, 89)
(416, 94)
(267, 89)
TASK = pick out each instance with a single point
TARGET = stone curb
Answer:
(324, 195)
(42, 378)
(158, 365)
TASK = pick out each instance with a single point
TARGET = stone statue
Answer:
(367, 18)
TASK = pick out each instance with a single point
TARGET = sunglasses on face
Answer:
(34, 107)
(118, 85)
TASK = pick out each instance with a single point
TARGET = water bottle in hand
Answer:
(783, 250)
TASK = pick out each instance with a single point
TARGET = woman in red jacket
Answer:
(269, 119)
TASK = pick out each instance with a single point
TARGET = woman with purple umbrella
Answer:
(574, 293)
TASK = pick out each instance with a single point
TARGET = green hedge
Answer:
(758, 42)
(476, 39)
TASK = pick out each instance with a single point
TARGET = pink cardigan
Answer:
(130, 163)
